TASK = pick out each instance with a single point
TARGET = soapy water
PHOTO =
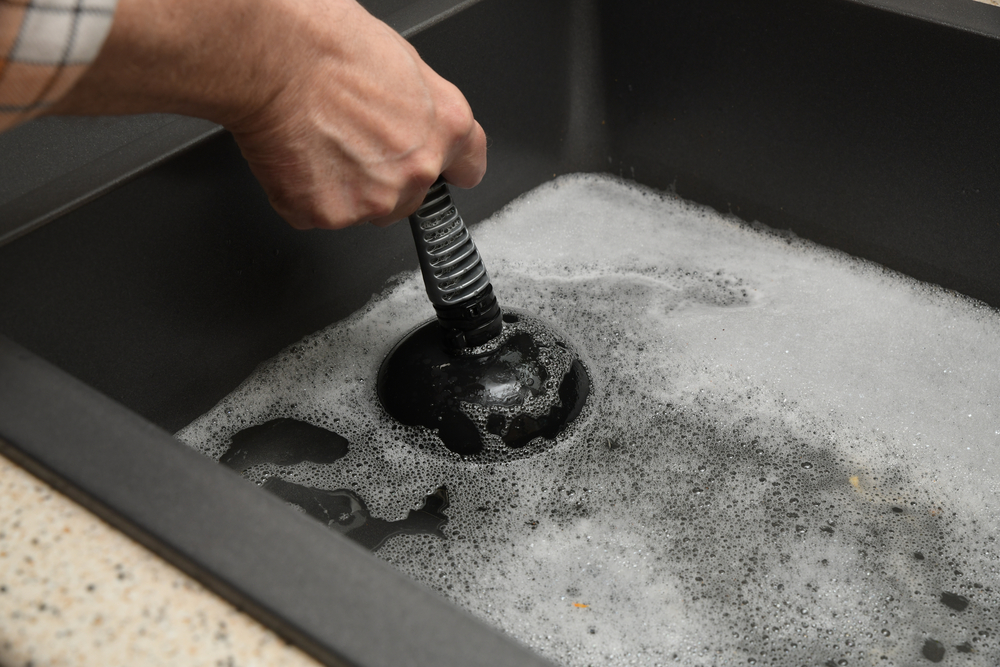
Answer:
(788, 455)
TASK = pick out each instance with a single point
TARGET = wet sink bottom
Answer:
(787, 457)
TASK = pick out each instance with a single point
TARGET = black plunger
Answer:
(487, 382)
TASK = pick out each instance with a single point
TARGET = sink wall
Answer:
(859, 127)
(853, 126)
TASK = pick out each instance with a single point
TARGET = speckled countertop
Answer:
(75, 592)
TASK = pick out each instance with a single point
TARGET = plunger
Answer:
(489, 382)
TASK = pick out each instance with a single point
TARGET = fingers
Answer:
(408, 202)
(456, 149)
(458, 153)
(469, 165)
(466, 169)
(462, 155)
(464, 152)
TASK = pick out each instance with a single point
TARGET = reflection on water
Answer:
(285, 442)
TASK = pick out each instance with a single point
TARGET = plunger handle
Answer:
(454, 275)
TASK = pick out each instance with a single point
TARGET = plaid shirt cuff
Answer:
(45, 45)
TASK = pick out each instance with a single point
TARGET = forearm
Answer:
(217, 60)
(44, 48)
(338, 116)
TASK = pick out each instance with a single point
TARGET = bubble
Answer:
(719, 501)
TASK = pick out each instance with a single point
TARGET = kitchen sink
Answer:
(141, 288)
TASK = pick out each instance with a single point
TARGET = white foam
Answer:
(760, 406)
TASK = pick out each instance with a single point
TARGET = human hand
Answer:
(360, 127)
(339, 118)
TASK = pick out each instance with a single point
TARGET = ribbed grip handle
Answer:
(454, 275)
(453, 270)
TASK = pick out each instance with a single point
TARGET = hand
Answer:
(339, 118)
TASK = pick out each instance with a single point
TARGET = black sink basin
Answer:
(867, 126)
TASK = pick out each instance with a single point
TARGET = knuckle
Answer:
(458, 119)
(326, 221)
(426, 170)
(379, 208)
(328, 212)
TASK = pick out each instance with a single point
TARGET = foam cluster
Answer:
(788, 455)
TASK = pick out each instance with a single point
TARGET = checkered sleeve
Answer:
(45, 45)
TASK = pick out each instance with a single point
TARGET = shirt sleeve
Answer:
(45, 45)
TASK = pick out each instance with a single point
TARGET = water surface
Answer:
(788, 456)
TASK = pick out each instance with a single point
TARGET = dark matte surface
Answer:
(46, 148)
(863, 129)
(309, 583)
(418, 15)
(109, 167)
(132, 291)
(973, 17)
(860, 129)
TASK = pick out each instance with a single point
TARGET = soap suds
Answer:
(788, 456)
